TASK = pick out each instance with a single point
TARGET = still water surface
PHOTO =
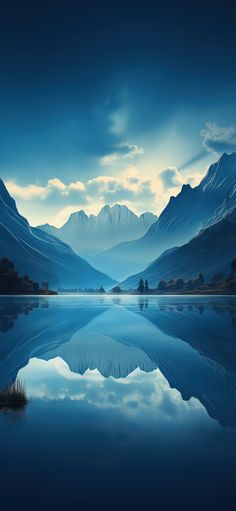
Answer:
(132, 403)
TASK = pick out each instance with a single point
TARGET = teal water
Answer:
(132, 402)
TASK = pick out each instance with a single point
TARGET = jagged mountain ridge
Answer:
(90, 234)
(183, 217)
(40, 255)
(211, 251)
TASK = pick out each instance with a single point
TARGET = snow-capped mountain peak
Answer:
(183, 217)
(88, 234)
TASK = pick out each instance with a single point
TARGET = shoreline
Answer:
(48, 293)
(70, 293)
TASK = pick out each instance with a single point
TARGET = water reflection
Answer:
(10, 310)
(137, 394)
(187, 342)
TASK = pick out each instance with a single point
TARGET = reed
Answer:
(13, 396)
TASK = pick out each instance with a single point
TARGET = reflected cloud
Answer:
(187, 340)
(53, 380)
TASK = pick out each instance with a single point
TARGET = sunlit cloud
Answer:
(28, 192)
(122, 152)
(130, 187)
(32, 191)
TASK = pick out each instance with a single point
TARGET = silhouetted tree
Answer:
(140, 288)
(12, 283)
(6, 264)
(162, 286)
(116, 290)
(201, 279)
(195, 283)
(232, 285)
(217, 277)
(146, 287)
(190, 285)
(36, 287)
(233, 265)
(102, 290)
(179, 284)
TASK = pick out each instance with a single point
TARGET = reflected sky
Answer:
(59, 344)
(137, 394)
(131, 393)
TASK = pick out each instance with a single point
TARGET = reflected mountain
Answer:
(48, 326)
(207, 326)
(191, 341)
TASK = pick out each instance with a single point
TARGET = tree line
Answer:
(12, 283)
(218, 282)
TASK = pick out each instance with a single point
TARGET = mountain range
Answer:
(90, 234)
(42, 256)
(196, 232)
(182, 219)
(210, 252)
(214, 246)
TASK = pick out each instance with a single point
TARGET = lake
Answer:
(132, 402)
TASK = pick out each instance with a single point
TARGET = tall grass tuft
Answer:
(13, 396)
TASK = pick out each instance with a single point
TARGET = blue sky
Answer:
(112, 101)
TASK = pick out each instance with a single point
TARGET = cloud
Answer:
(118, 120)
(33, 191)
(130, 150)
(218, 139)
(129, 188)
(28, 192)
(170, 178)
(129, 184)
(132, 395)
(78, 186)
(122, 151)
(109, 159)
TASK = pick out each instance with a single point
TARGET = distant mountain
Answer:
(183, 217)
(90, 234)
(211, 251)
(43, 257)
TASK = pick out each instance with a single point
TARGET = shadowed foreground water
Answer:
(132, 402)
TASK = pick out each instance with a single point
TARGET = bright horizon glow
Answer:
(56, 200)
